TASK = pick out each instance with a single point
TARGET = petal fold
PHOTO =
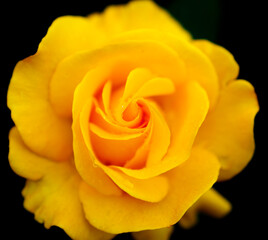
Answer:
(119, 214)
(228, 129)
(46, 198)
(136, 15)
(211, 203)
(223, 61)
(157, 234)
(184, 118)
(23, 161)
(41, 129)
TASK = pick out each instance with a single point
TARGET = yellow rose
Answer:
(123, 122)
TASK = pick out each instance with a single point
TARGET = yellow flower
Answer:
(123, 122)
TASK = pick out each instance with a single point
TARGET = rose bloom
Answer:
(123, 123)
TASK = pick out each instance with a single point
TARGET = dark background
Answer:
(239, 26)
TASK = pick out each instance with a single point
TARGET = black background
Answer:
(240, 26)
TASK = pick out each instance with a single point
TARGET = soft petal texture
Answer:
(32, 113)
(123, 214)
(84, 160)
(184, 117)
(116, 64)
(48, 186)
(157, 234)
(198, 66)
(29, 95)
(54, 201)
(137, 15)
(141, 189)
(211, 203)
(228, 129)
(118, 147)
(223, 61)
(23, 161)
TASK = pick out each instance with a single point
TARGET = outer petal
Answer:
(28, 94)
(137, 15)
(24, 162)
(123, 214)
(46, 193)
(54, 201)
(40, 128)
(228, 129)
(157, 234)
(211, 203)
(223, 61)
(197, 65)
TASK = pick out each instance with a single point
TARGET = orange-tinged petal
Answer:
(23, 161)
(141, 189)
(40, 128)
(54, 201)
(101, 119)
(157, 234)
(228, 129)
(106, 97)
(223, 61)
(211, 203)
(184, 117)
(118, 147)
(115, 64)
(137, 15)
(125, 213)
(198, 66)
(85, 158)
(150, 190)
(160, 138)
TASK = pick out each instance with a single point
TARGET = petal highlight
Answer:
(23, 161)
(223, 61)
(228, 129)
(46, 198)
(119, 214)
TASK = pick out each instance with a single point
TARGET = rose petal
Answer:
(40, 128)
(211, 203)
(228, 129)
(116, 64)
(137, 15)
(184, 117)
(114, 149)
(84, 157)
(47, 197)
(125, 213)
(157, 234)
(23, 161)
(141, 189)
(135, 80)
(160, 139)
(197, 64)
(223, 61)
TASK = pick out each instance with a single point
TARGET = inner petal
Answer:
(115, 149)
(131, 112)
